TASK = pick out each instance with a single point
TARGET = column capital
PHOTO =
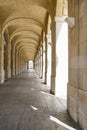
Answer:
(48, 38)
(59, 20)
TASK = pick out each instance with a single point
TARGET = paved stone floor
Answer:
(25, 104)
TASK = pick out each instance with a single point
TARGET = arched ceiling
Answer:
(25, 21)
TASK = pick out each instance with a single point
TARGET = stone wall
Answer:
(77, 86)
(73, 61)
(83, 63)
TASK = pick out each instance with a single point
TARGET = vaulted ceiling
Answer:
(25, 21)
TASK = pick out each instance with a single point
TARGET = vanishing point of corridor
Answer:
(26, 104)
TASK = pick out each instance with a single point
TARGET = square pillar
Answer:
(42, 60)
(2, 78)
(53, 57)
(13, 60)
(8, 68)
(45, 59)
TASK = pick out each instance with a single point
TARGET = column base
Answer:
(45, 78)
(72, 101)
(83, 109)
(52, 92)
(13, 74)
(9, 74)
(77, 105)
(53, 84)
(44, 82)
(2, 77)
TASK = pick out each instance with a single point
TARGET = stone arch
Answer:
(21, 40)
(29, 44)
(23, 32)
(25, 46)
(17, 20)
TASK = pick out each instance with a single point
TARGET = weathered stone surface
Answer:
(72, 103)
(77, 87)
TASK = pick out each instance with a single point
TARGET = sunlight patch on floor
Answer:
(34, 108)
(61, 123)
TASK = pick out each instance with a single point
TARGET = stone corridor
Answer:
(26, 104)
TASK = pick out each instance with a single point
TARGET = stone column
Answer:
(42, 61)
(39, 67)
(16, 54)
(21, 63)
(18, 63)
(73, 83)
(38, 63)
(53, 57)
(1, 60)
(34, 64)
(45, 60)
(13, 60)
(82, 79)
(8, 54)
(77, 86)
(55, 29)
